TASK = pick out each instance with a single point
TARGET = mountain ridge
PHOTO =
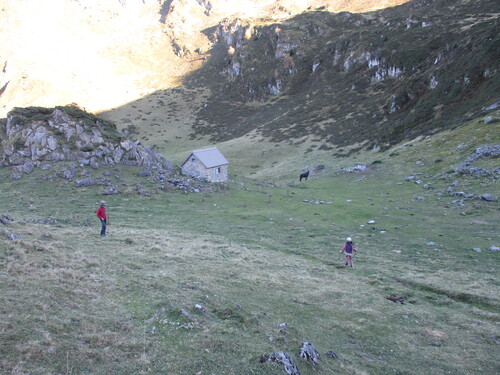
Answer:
(293, 74)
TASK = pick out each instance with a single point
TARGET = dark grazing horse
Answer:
(304, 175)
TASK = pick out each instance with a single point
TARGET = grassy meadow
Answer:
(203, 283)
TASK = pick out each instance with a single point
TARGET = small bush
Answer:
(87, 149)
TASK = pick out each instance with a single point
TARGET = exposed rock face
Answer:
(33, 138)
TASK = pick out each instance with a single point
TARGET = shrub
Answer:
(87, 148)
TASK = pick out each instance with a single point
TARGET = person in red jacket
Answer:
(101, 214)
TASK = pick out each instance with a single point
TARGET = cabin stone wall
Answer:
(194, 167)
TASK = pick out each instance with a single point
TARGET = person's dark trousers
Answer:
(103, 229)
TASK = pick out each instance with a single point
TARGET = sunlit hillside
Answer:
(102, 55)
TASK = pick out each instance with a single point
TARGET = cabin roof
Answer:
(210, 157)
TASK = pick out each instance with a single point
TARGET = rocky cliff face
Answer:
(373, 78)
(35, 137)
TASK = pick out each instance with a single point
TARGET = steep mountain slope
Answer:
(290, 72)
(104, 54)
(373, 78)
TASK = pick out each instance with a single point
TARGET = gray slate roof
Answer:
(210, 157)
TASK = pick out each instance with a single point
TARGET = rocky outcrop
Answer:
(37, 136)
(485, 151)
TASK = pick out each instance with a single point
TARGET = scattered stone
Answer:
(419, 162)
(141, 190)
(145, 173)
(334, 356)
(371, 222)
(356, 168)
(309, 352)
(394, 299)
(490, 120)
(287, 362)
(89, 181)
(410, 178)
(431, 244)
(11, 236)
(477, 249)
(316, 202)
(488, 197)
(69, 174)
(28, 167)
(15, 176)
(494, 248)
(44, 222)
(187, 315)
(110, 191)
(200, 308)
(5, 219)
(359, 180)
(419, 198)
(318, 168)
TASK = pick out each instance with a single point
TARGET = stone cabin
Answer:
(208, 164)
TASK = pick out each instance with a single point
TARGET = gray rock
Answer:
(356, 168)
(200, 308)
(5, 219)
(88, 181)
(187, 315)
(28, 167)
(145, 173)
(431, 243)
(309, 352)
(494, 248)
(11, 236)
(141, 190)
(334, 356)
(477, 249)
(488, 197)
(69, 174)
(284, 358)
(490, 120)
(110, 191)
(15, 176)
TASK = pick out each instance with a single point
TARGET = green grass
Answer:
(255, 255)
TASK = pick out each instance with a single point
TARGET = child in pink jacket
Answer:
(348, 251)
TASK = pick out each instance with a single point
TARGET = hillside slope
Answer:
(183, 73)
(374, 78)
